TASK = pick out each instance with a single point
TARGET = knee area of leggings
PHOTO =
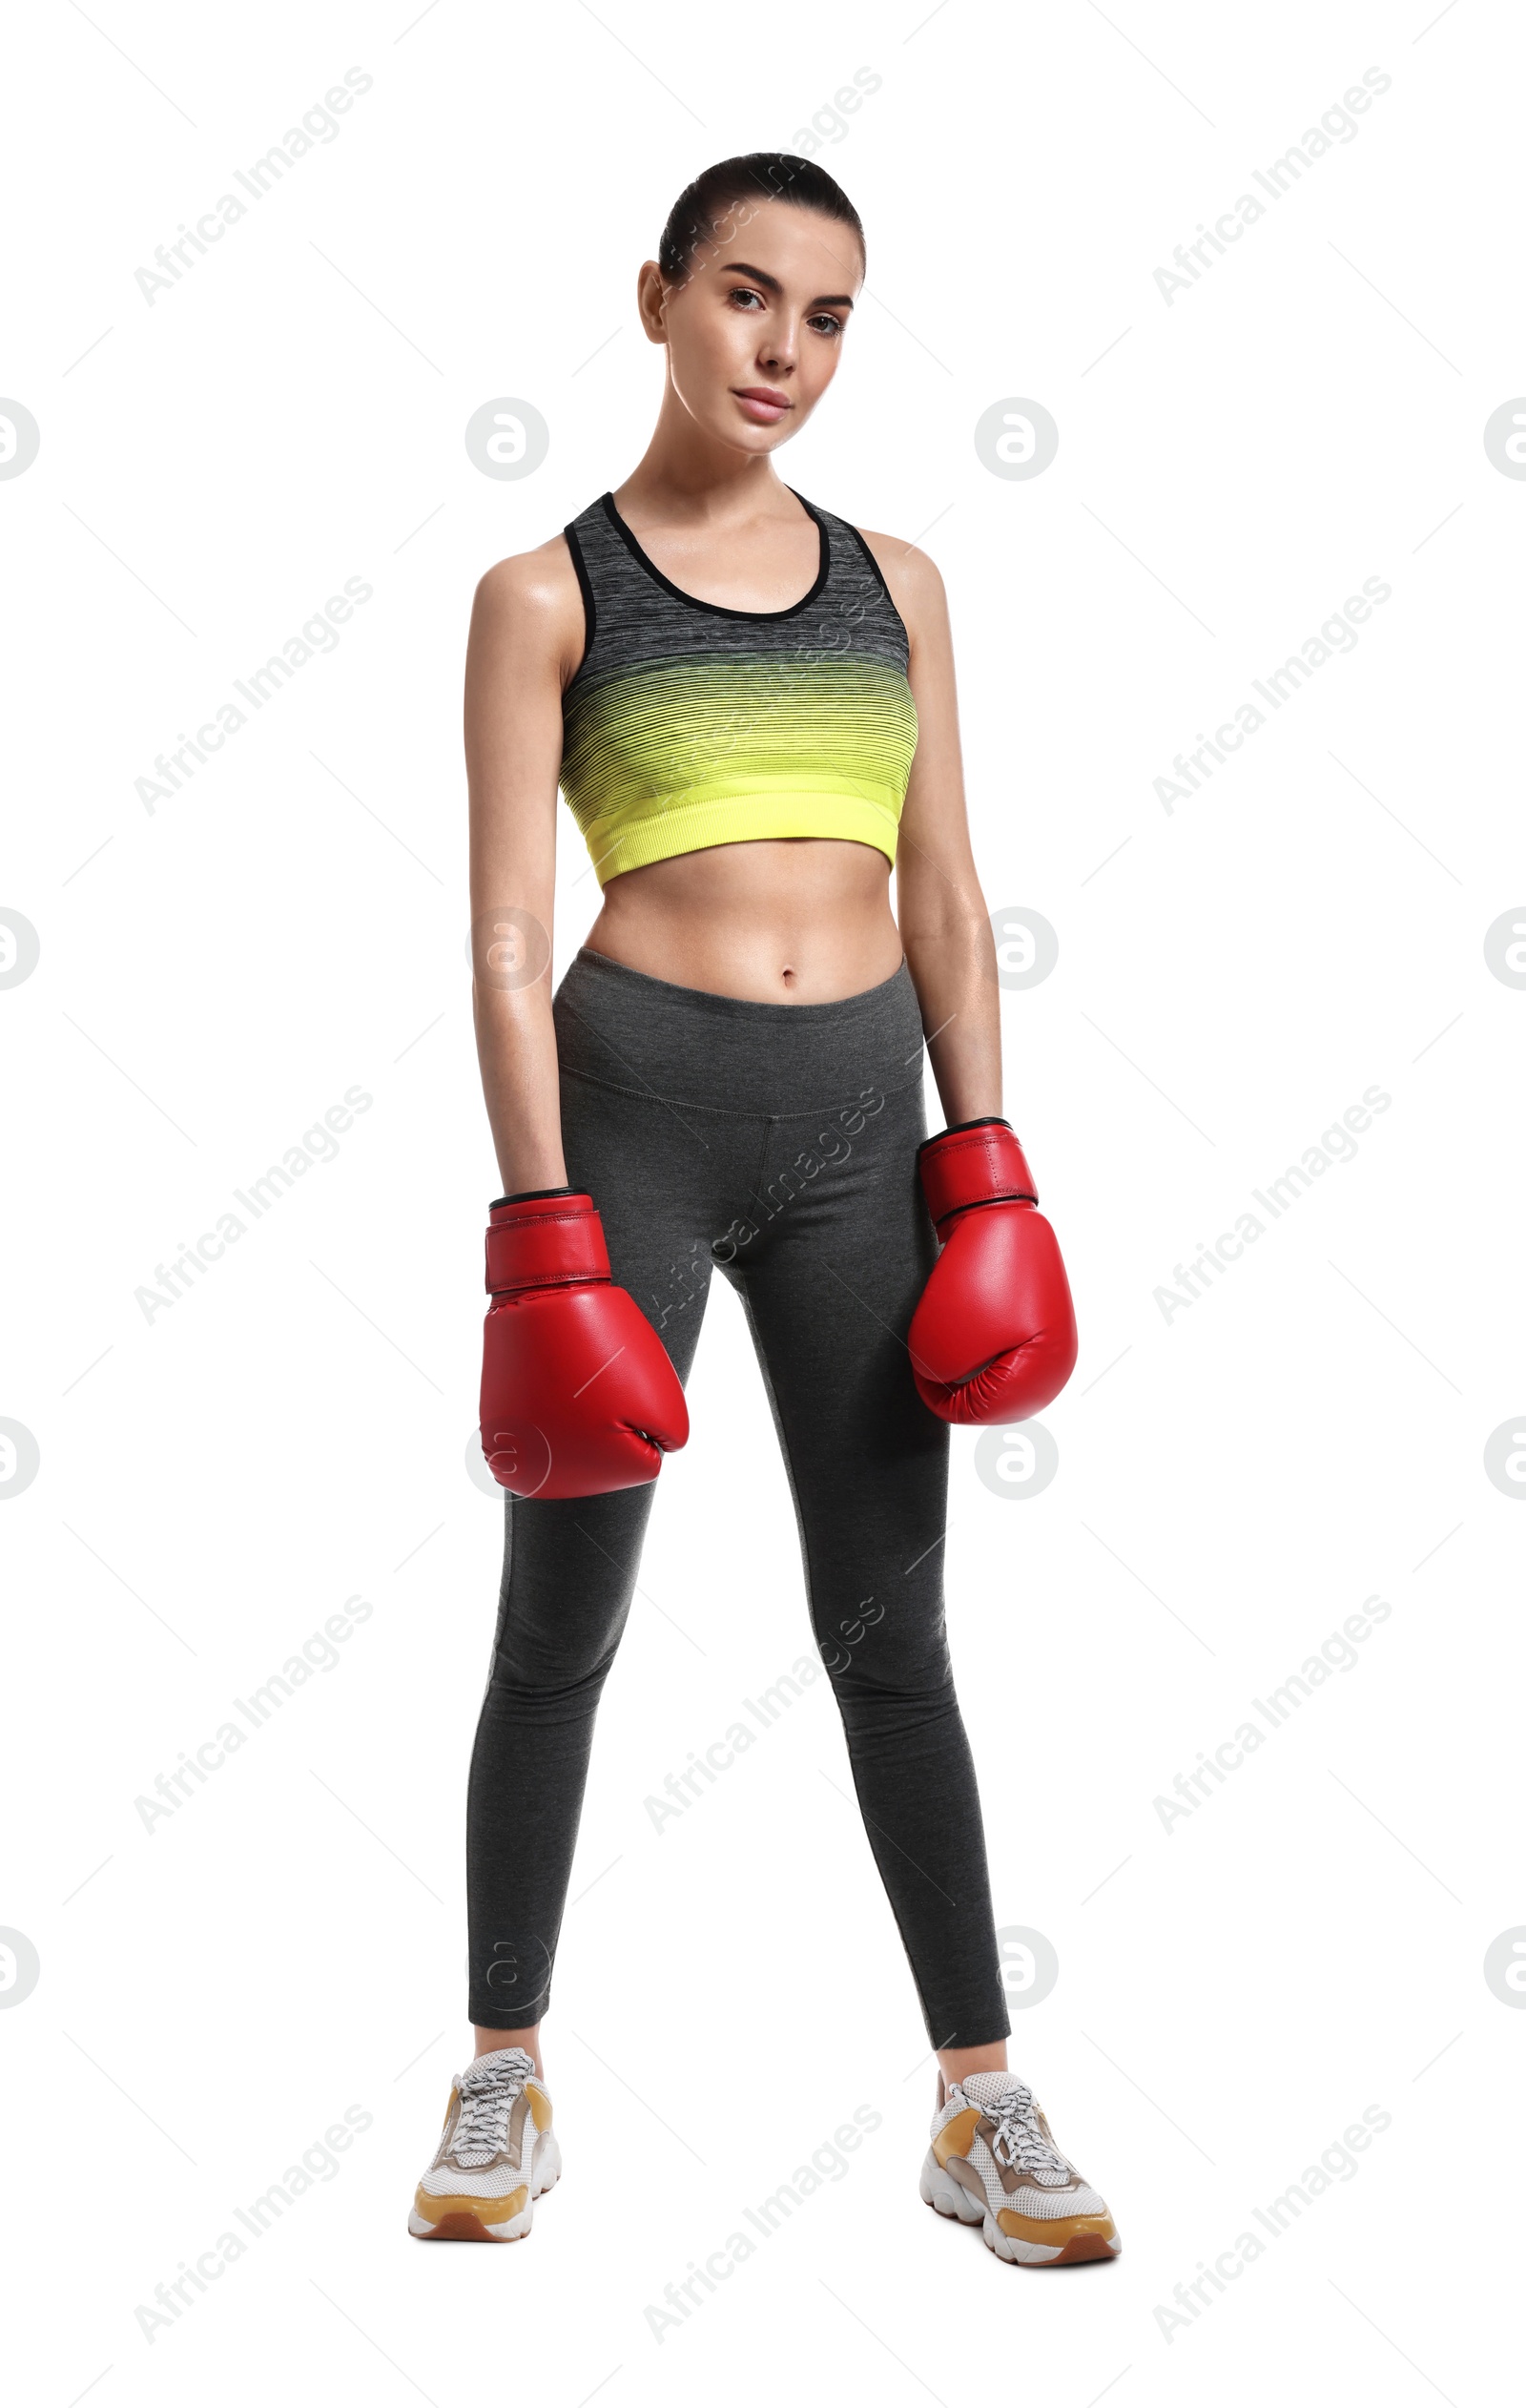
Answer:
(925, 1684)
(533, 1676)
(903, 1649)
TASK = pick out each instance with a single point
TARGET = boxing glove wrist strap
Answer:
(530, 1195)
(978, 1162)
(554, 1240)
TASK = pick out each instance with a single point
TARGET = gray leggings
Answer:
(776, 1143)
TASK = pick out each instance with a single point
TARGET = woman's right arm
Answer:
(527, 639)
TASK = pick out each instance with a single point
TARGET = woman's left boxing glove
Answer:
(578, 1394)
(994, 1336)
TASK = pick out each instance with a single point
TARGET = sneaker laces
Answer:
(1020, 2139)
(489, 2091)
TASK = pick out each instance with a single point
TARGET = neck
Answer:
(685, 475)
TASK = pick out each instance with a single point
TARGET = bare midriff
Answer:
(794, 920)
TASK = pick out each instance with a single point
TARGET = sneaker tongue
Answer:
(499, 2063)
(1034, 2155)
(986, 2089)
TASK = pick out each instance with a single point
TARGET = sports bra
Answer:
(688, 724)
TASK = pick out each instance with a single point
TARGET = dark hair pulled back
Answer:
(721, 201)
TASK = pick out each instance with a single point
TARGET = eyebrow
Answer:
(762, 275)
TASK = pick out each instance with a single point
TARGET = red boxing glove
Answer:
(579, 1396)
(994, 1338)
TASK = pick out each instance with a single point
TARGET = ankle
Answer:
(486, 2041)
(989, 2057)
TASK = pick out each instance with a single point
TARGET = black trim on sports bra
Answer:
(858, 536)
(591, 615)
(720, 610)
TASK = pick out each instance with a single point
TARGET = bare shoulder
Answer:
(533, 600)
(916, 586)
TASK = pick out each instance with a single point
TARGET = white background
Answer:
(1232, 1483)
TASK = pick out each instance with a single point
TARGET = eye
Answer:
(825, 324)
(740, 293)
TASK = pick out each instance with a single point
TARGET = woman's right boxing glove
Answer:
(578, 1394)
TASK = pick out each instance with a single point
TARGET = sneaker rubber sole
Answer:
(1084, 2236)
(458, 2218)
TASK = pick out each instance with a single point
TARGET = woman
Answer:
(750, 707)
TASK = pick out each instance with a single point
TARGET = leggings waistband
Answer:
(623, 1028)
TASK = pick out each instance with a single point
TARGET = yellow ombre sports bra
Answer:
(688, 724)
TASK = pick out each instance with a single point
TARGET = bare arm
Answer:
(945, 926)
(527, 638)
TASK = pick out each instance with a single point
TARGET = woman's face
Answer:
(755, 336)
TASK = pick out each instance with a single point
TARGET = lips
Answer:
(762, 404)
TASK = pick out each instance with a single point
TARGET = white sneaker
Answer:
(993, 2162)
(497, 2153)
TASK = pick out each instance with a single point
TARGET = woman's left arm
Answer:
(945, 926)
